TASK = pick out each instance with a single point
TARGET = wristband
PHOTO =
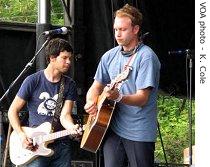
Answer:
(119, 98)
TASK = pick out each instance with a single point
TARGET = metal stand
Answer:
(27, 67)
(98, 157)
(189, 56)
(166, 161)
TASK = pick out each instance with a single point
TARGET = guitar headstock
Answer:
(123, 75)
(120, 77)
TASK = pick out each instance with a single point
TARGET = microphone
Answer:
(178, 52)
(144, 35)
(62, 30)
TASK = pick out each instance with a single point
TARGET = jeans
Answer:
(60, 158)
(121, 152)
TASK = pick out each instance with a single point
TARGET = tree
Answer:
(26, 11)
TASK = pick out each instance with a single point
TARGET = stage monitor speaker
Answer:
(81, 163)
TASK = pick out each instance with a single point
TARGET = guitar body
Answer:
(96, 128)
(21, 156)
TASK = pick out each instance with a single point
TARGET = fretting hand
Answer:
(76, 132)
(111, 94)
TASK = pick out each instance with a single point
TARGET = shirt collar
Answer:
(130, 52)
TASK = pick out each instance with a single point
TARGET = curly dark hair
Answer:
(55, 46)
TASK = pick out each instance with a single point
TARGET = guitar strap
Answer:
(130, 61)
(128, 66)
(58, 108)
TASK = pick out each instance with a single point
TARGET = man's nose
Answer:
(118, 34)
(68, 61)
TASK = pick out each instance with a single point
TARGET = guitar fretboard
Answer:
(55, 135)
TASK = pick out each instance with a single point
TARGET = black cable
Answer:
(66, 10)
(112, 6)
(137, 5)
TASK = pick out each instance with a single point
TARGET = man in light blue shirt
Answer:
(132, 133)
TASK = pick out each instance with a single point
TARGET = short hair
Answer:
(55, 46)
(133, 13)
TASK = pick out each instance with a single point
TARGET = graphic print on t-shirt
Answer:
(47, 107)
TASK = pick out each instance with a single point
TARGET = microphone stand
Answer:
(27, 67)
(189, 56)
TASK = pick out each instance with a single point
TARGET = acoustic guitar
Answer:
(97, 126)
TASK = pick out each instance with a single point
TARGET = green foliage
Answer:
(18, 10)
(174, 128)
(26, 11)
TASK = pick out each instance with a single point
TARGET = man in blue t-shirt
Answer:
(132, 132)
(39, 92)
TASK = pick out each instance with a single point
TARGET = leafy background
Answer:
(173, 119)
(26, 11)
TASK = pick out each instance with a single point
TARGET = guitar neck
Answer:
(55, 135)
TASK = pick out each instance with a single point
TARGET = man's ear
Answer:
(136, 29)
(52, 58)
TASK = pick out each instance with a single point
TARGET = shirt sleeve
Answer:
(147, 74)
(102, 74)
(26, 88)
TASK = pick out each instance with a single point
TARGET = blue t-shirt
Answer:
(41, 96)
(133, 122)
